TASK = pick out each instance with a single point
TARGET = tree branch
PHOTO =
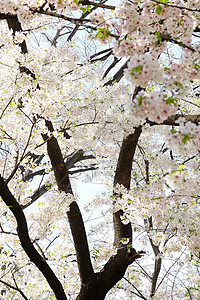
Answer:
(172, 120)
(15, 25)
(14, 288)
(70, 163)
(157, 267)
(123, 176)
(26, 243)
(176, 6)
(96, 4)
(111, 66)
(75, 29)
(74, 214)
(118, 75)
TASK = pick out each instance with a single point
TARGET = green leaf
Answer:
(180, 167)
(89, 8)
(196, 65)
(185, 138)
(103, 33)
(157, 34)
(84, 9)
(163, 1)
(123, 239)
(173, 131)
(136, 69)
(140, 98)
(159, 9)
(171, 100)
(166, 69)
(178, 84)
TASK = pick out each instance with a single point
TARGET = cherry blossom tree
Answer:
(92, 86)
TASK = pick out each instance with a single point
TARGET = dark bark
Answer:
(74, 214)
(76, 28)
(14, 287)
(157, 261)
(81, 245)
(123, 177)
(15, 25)
(111, 66)
(96, 4)
(26, 243)
(157, 268)
(38, 193)
(58, 165)
(28, 175)
(94, 286)
(173, 120)
(118, 75)
(112, 272)
(124, 165)
(103, 281)
(47, 186)
(115, 268)
(23, 69)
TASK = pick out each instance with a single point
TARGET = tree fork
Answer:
(117, 265)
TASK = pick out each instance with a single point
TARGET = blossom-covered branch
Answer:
(26, 243)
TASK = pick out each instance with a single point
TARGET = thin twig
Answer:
(176, 6)
(140, 294)
(14, 288)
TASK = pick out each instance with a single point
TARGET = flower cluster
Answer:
(144, 31)
(53, 83)
(143, 69)
(177, 179)
(187, 134)
(101, 18)
(130, 46)
(153, 105)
